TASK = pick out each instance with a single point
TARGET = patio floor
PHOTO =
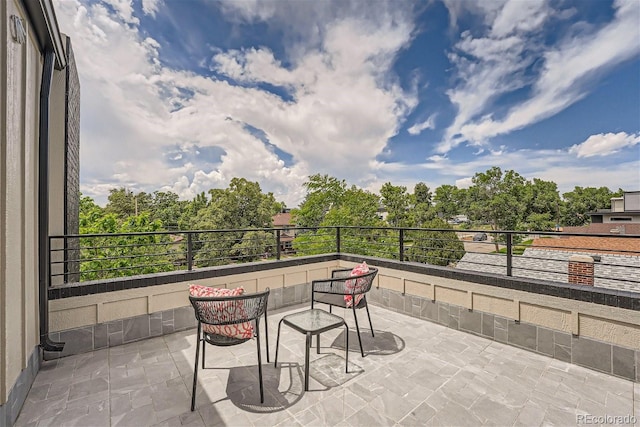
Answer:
(415, 373)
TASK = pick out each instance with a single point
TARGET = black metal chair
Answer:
(229, 311)
(333, 291)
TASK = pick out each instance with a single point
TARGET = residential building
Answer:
(283, 220)
(39, 175)
(625, 209)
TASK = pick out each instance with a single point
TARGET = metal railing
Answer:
(543, 255)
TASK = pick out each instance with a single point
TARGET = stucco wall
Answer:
(19, 92)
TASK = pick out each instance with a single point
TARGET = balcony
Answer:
(452, 346)
(415, 372)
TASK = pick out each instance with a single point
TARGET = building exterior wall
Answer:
(19, 92)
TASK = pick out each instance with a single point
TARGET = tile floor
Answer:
(416, 373)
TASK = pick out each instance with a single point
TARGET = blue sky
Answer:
(184, 95)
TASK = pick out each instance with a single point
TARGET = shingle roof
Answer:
(609, 245)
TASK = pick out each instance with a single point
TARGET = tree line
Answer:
(502, 200)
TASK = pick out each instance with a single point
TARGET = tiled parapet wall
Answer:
(601, 356)
(131, 329)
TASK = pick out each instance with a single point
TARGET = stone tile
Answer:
(114, 326)
(155, 324)
(562, 338)
(89, 387)
(471, 321)
(522, 335)
(115, 339)
(77, 341)
(396, 302)
(443, 314)
(623, 361)
(100, 336)
(546, 343)
(184, 318)
(428, 310)
(592, 354)
(454, 415)
(562, 353)
(289, 296)
(135, 328)
(488, 322)
(454, 317)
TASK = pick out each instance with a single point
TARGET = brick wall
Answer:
(580, 270)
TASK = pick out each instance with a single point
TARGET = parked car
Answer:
(480, 237)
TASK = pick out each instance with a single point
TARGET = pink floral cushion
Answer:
(224, 312)
(356, 285)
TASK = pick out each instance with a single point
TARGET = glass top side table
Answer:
(313, 322)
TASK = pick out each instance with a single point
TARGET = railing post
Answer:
(278, 245)
(509, 253)
(338, 239)
(401, 238)
(189, 252)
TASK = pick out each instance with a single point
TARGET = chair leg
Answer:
(195, 371)
(368, 315)
(357, 329)
(203, 350)
(259, 362)
(266, 332)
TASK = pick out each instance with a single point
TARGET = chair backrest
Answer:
(230, 310)
(361, 284)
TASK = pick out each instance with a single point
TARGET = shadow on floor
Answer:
(383, 343)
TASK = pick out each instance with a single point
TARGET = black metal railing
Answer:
(543, 255)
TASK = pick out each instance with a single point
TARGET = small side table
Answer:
(313, 322)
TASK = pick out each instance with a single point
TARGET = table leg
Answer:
(306, 362)
(318, 343)
(275, 362)
(346, 349)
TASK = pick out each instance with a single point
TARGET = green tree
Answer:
(166, 208)
(323, 193)
(434, 247)
(254, 245)
(542, 205)
(241, 206)
(496, 199)
(349, 207)
(396, 202)
(190, 211)
(579, 202)
(116, 256)
(447, 201)
(423, 211)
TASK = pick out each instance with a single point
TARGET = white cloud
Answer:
(136, 111)
(500, 58)
(150, 7)
(417, 128)
(604, 144)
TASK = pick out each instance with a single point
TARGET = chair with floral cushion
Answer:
(343, 288)
(228, 317)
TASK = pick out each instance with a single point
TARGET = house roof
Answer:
(605, 228)
(598, 245)
(282, 219)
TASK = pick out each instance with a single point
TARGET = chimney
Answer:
(581, 270)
